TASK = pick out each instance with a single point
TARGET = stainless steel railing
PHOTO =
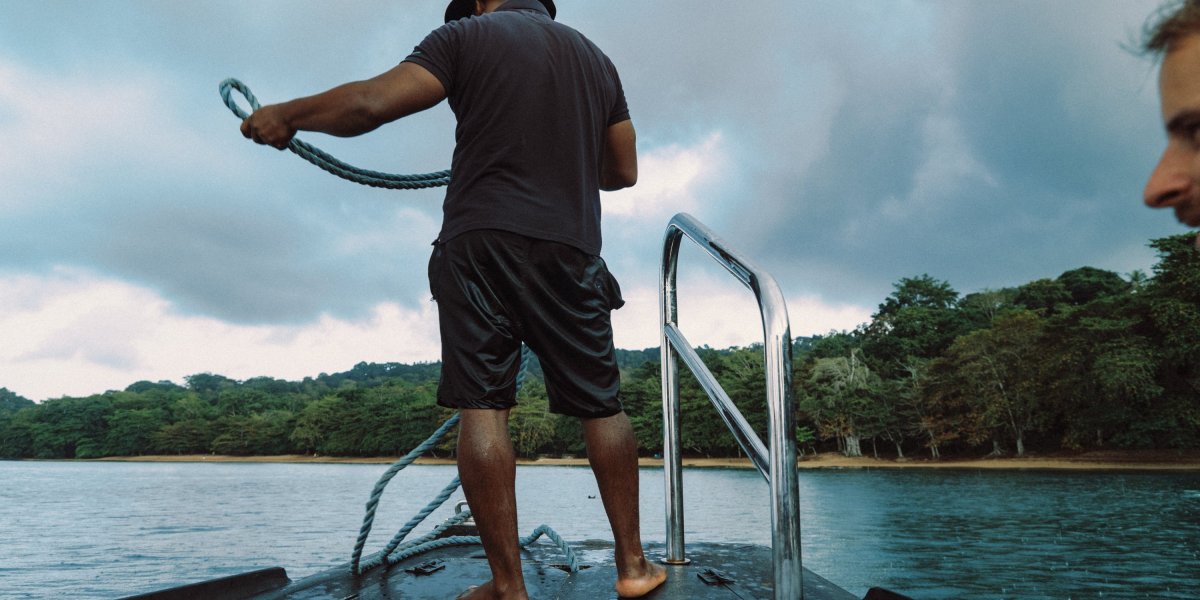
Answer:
(777, 461)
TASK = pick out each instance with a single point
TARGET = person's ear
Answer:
(478, 7)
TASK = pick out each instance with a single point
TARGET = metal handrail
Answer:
(777, 461)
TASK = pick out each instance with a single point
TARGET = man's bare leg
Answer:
(487, 468)
(612, 452)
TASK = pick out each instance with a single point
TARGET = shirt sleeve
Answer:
(620, 109)
(437, 53)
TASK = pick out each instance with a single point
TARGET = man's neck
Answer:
(491, 5)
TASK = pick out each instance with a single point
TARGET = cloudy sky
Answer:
(842, 145)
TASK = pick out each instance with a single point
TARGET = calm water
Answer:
(102, 530)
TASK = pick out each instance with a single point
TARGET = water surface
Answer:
(102, 530)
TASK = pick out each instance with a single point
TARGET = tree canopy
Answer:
(1088, 360)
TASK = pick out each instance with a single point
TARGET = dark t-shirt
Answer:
(533, 99)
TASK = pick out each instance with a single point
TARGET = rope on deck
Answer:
(327, 162)
(468, 540)
(358, 565)
(377, 492)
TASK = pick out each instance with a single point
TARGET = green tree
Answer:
(839, 398)
(701, 429)
(1089, 283)
(743, 377)
(242, 401)
(421, 416)
(1100, 372)
(400, 415)
(1001, 365)
(942, 414)
(65, 427)
(131, 432)
(189, 407)
(348, 424)
(1137, 280)
(189, 436)
(980, 309)
(383, 415)
(10, 402)
(262, 434)
(835, 344)
(920, 319)
(208, 385)
(805, 437)
(923, 291)
(237, 436)
(530, 424)
(315, 424)
(901, 404)
(1174, 300)
(141, 387)
(16, 436)
(1043, 296)
(1175, 296)
(641, 394)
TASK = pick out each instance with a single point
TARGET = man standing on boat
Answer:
(543, 126)
(1175, 182)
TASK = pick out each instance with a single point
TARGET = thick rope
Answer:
(377, 492)
(468, 540)
(385, 556)
(358, 566)
(327, 162)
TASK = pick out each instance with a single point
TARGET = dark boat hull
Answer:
(730, 571)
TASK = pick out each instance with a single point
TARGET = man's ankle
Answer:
(510, 590)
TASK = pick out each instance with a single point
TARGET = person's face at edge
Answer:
(1175, 181)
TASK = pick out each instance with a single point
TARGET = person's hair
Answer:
(1169, 25)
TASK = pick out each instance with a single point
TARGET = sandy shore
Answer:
(1140, 461)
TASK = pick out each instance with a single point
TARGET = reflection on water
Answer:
(99, 530)
(1016, 534)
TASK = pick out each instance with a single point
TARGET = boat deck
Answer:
(716, 571)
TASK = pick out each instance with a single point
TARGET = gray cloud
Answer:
(987, 144)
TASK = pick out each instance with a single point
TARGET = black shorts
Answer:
(496, 289)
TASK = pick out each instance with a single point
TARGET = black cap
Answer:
(461, 9)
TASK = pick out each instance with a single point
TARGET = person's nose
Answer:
(1170, 181)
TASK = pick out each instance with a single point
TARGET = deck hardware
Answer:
(714, 577)
(428, 567)
(461, 507)
(567, 568)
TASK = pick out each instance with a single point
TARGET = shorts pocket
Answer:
(434, 269)
(609, 287)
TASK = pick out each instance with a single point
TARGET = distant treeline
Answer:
(1091, 359)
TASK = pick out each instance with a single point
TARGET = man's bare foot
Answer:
(488, 591)
(642, 581)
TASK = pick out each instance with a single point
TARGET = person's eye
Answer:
(1191, 133)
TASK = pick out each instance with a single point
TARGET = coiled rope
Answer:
(327, 162)
(395, 551)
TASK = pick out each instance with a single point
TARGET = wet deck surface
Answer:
(746, 574)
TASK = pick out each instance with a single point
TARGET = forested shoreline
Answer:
(1089, 360)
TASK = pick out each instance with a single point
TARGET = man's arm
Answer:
(618, 169)
(350, 109)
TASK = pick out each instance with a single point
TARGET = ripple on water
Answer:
(102, 530)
